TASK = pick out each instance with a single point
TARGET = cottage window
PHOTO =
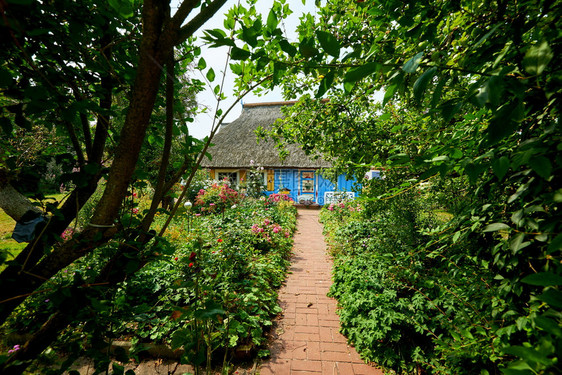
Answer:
(307, 181)
(231, 176)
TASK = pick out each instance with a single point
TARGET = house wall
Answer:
(292, 179)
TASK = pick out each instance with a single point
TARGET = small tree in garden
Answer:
(254, 185)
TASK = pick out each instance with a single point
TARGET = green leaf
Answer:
(357, 74)
(449, 109)
(250, 35)
(272, 21)
(486, 36)
(542, 166)
(456, 236)
(239, 54)
(505, 121)
(500, 167)
(389, 93)
(494, 227)
(211, 75)
(555, 244)
(123, 7)
(517, 243)
(548, 325)
(537, 58)
(325, 84)
(412, 64)
(307, 48)
(329, 43)
(236, 69)
(473, 171)
(287, 47)
(552, 297)
(543, 279)
(202, 64)
(216, 33)
(528, 354)
(421, 83)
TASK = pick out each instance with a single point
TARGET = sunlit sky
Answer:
(216, 57)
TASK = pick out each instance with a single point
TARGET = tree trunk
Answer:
(13, 203)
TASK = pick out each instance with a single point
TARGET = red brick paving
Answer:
(308, 339)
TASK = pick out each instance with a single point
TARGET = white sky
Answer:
(215, 57)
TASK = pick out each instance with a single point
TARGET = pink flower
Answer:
(14, 349)
(276, 229)
(267, 222)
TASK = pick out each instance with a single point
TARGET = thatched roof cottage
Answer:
(236, 150)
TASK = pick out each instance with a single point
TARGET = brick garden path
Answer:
(308, 339)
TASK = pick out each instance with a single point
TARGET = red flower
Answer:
(192, 255)
(190, 265)
(220, 239)
(176, 258)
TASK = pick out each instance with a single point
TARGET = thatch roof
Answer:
(235, 144)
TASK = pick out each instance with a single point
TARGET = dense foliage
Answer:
(471, 105)
(212, 292)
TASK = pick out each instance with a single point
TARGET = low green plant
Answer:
(410, 300)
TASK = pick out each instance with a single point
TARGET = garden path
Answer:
(307, 336)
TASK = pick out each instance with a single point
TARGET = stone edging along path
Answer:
(307, 338)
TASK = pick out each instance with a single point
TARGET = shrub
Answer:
(216, 198)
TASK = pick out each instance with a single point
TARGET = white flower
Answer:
(233, 206)
(251, 162)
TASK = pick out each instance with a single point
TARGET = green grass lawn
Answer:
(8, 247)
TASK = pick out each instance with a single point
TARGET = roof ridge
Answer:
(268, 104)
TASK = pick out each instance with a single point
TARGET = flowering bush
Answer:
(345, 206)
(267, 234)
(254, 185)
(216, 198)
(275, 198)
